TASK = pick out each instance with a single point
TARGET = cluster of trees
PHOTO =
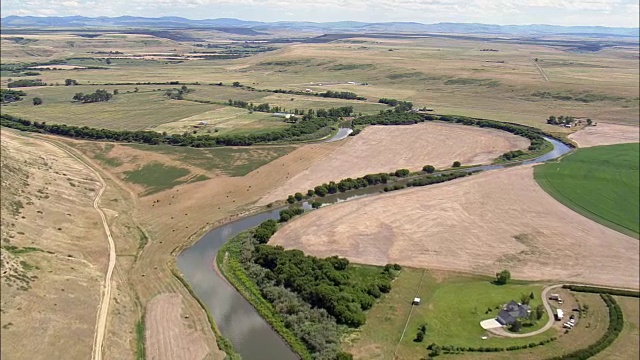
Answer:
(265, 230)
(401, 106)
(503, 277)
(70, 82)
(510, 155)
(98, 96)
(25, 83)
(393, 188)
(290, 133)
(616, 323)
(310, 331)
(324, 283)
(599, 290)
(451, 349)
(288, 214)
(561, 120)
(176, 94)
(422, 330)
(9, 95)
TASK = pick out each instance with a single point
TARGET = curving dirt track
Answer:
(606, 134)
(103, 310)
(480, 224)
(377, 149)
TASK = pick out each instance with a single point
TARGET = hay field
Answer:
(481, 224)
(605, 134)
(388, 148)
(54, 252)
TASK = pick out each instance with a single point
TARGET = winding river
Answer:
(238, 321)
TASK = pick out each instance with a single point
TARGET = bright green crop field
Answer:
(601, 183)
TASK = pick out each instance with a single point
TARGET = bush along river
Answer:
(251, 335)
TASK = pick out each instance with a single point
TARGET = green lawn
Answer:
(452, 309)
(601, 183)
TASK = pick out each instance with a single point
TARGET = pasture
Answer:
(601, 183)
(450, 75)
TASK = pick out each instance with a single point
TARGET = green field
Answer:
(227, 160)
(156, 177)
(601, 183)
(452, 309)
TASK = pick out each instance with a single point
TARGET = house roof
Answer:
(505, 318)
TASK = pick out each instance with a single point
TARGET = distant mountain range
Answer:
(172, 22)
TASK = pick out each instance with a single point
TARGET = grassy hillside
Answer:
(601, 183)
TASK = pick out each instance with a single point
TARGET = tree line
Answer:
(292, 133)
(25, 83)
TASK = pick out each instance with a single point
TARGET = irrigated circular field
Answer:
(388, 148)
(481, 224)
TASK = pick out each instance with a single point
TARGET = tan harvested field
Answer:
(54, 252)
(168, 336)
(388, 148)
(481, 224)
(606, 134)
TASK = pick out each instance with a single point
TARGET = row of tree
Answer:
(25, 83)
(291, 133)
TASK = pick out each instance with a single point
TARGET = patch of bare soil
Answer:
(388, 148)
(54, 252)
(481, 224)
(168, 336)
(606, 134)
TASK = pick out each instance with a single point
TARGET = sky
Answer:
(617, 13)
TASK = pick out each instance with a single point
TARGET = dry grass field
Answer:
(626, 345)
(54, 252)
(378, 149)
(606, 134)
(168, 337)
(481, 224)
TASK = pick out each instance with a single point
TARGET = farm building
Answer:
(559, 314)
(511, 312)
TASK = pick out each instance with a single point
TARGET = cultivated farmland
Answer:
(376, 150)
(601, 183)
(479, 224)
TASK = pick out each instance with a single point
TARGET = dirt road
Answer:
(103, 311)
